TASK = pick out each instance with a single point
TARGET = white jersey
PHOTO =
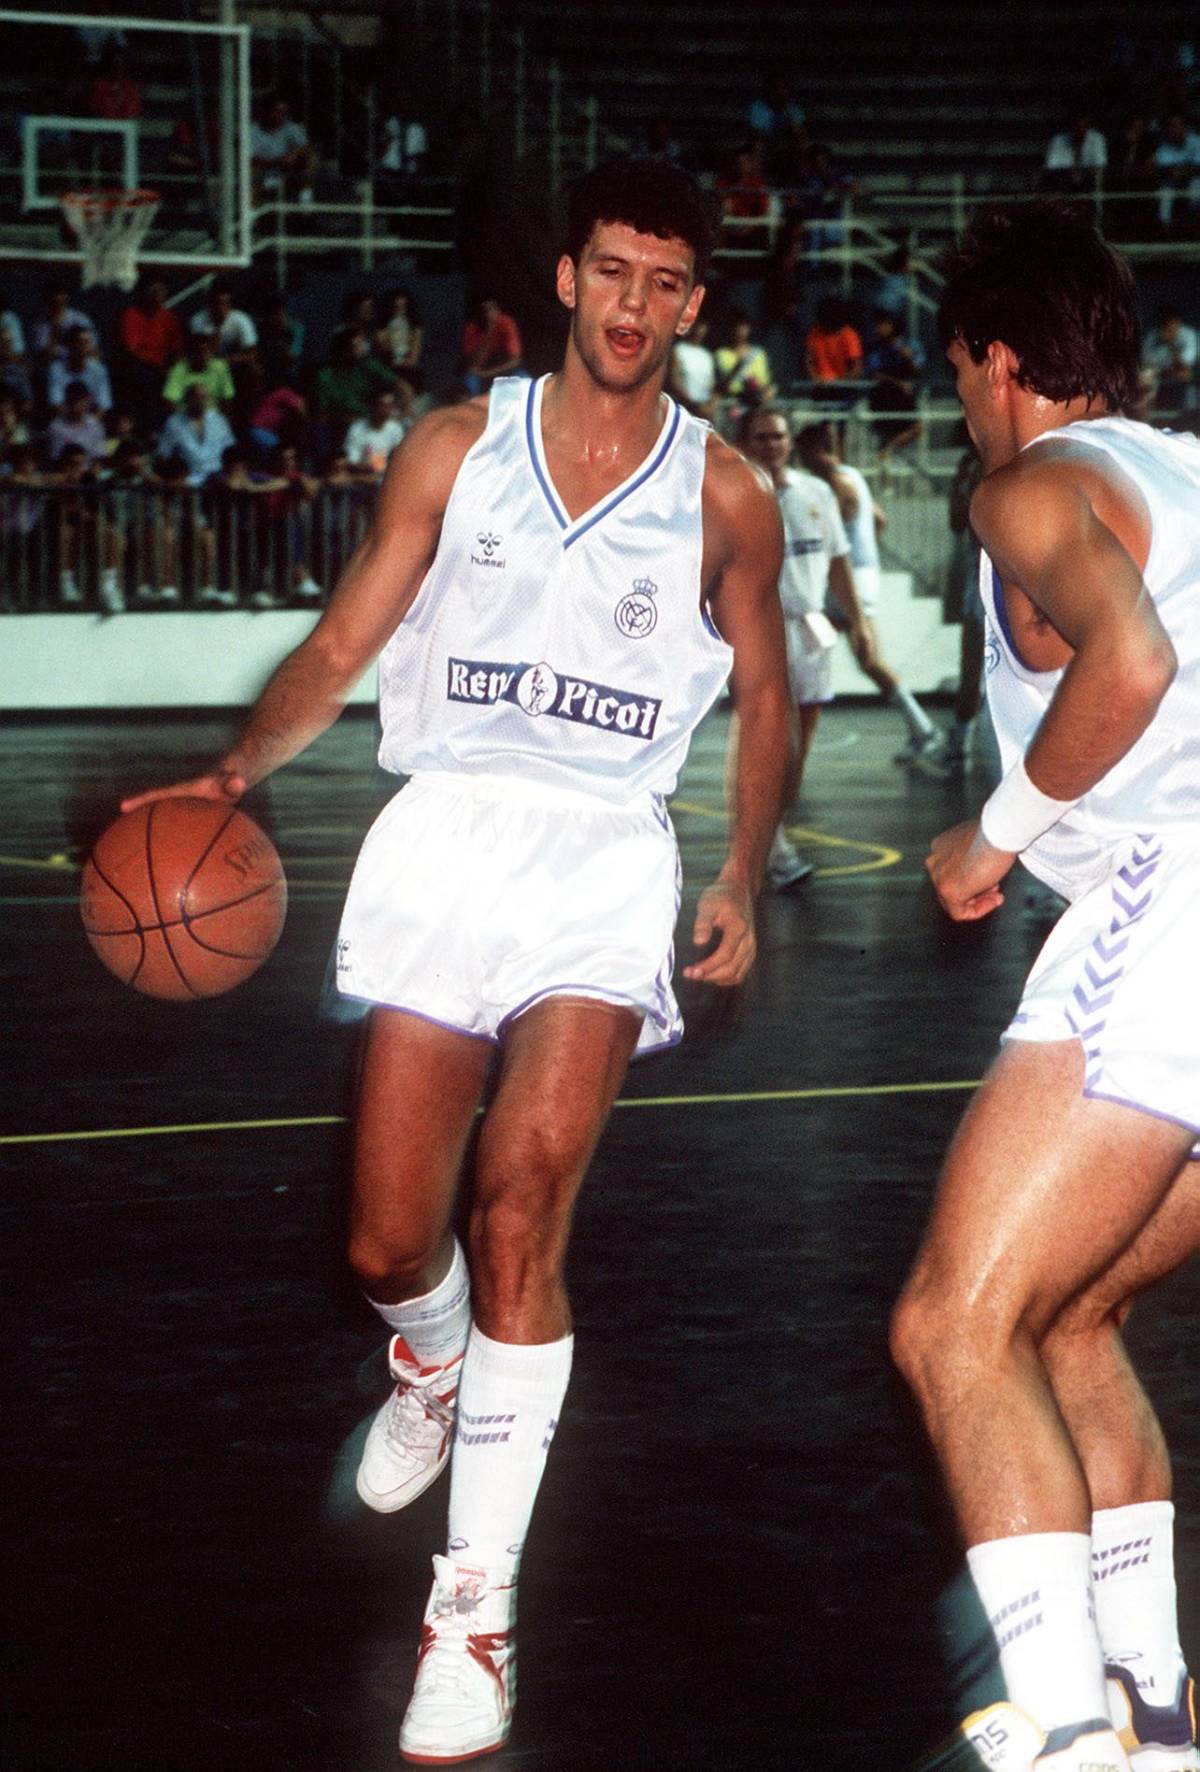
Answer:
(568, 651)
(860, 529)
(813, 534)
(1155, 787)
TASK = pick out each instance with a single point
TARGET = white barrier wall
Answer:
(222, 658)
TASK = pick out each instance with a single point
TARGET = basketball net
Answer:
(110, 227)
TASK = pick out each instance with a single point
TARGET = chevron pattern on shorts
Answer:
(1132, 893)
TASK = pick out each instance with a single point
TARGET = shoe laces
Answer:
(417, 1418)
(453, 1650)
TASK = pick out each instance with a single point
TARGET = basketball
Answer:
(183, 898)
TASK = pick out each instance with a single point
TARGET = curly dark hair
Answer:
(649, 194)
(1040, 278)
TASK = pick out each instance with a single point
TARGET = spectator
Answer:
(743, 373)
(892, 290)
(660, 139)
(491, 345)
(821, 197)
(743, 191)
(76, 426)
(893, 364)
(275, 413)
(10, 322)
(13, 429)
(833, 350)
(405, 147)
(199, 366)
(1169, 354)
(151, 338)
(784, 279)
(51, 328)
(233, 333)
(775, 111)
(281, 340)
(283, 162)
(114, 96)
(1177, 165)
(148, 531)
(1131, 176)
(89, 545)
(14, 377)
(401, 338)
(198, 435)
(291, 508)
(693, 373)
(190, 152)
(371, 440)
(22, 527)
(1075, 158)
(344, 384)
(119, 427)
(81, 363)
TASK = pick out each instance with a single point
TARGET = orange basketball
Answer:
(183, 898)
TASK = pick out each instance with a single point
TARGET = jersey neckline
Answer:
(572, 530)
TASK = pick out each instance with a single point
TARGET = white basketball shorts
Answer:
(1120, 972)
(475, 897)
(810, 665)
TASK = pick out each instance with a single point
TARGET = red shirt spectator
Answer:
(150, 330)
(114, 96)
(833, 349)
(491, 344)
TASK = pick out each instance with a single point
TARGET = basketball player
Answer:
(561, 577)
(1072, 1183)
(817, 448)
(816, 563)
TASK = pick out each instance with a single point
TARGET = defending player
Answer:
(1070, 1186)
(560, 578)
(816, 565)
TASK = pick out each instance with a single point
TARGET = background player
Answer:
(1069, 1188)
(560, 578)
(816, 564)
(818, 450)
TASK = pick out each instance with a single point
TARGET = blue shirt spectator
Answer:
(198, 436)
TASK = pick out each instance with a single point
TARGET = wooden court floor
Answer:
(739, 1558)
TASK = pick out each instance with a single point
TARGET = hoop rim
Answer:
(105, 202)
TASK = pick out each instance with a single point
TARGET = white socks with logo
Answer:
(1133, 1585)
(1036, 1591)
(435, 1326)
(509, 1398)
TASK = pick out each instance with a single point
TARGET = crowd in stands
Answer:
(205, 460)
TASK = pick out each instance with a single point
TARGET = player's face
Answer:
(631, 297)
(769, 442)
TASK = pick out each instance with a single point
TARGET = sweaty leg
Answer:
(1041, 1193)
(562, 1066)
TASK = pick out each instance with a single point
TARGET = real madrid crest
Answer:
(637, 613)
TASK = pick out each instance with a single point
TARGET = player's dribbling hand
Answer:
(222, 784)
(966, 872)
(727, 907)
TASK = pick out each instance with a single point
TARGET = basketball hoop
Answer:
(110, 227)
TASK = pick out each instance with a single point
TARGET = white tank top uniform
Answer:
(1121, 969)
(813, 534)
(541, 692)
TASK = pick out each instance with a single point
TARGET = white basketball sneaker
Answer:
(409, 1442)
(1007, 1740)
(1158, 1738)
(466, 1682)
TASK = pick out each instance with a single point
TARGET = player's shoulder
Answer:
(733, 486)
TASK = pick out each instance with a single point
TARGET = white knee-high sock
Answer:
(509, 1398)
(1035, 1588)
(1133, 1581)
(435, 1325)
(915, 718)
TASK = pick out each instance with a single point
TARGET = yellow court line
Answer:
(632, 1101)
(881, 854)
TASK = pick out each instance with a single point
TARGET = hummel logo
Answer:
(489, 543)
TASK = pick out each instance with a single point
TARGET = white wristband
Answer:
(1017, 813)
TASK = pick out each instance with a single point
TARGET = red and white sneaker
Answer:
(409, 1442)
(466, 1682)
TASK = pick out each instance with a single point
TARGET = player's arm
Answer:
(743, 598)
(310, 688)
(1038, 523)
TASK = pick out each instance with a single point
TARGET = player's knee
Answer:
(518, 1234)
(390, 1266)
(940, 1335)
